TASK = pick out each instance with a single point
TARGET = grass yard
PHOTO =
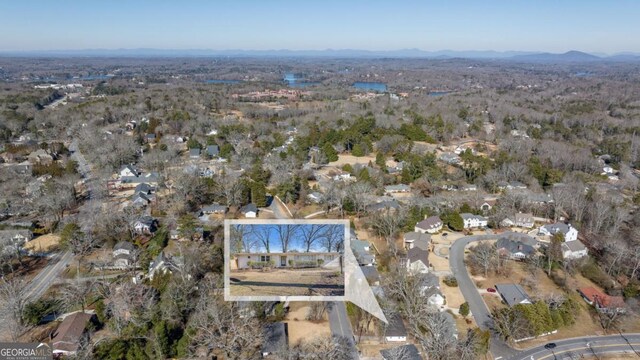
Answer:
(287, 282)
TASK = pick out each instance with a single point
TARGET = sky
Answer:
(256, 233)
(503, 25)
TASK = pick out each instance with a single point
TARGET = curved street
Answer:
(568, 348)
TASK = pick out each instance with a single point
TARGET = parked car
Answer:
(491, 290)
(550, 346)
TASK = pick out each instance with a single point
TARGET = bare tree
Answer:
(386, 224)
(286, 233)
(263, 233)
(13, 299)
(311, 234)
(483, 256)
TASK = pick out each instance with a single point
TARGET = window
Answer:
(265, 258)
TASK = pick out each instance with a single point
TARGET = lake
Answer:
(297, 80)
(374, 86)
(439, 93)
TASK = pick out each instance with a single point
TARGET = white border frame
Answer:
(227, 258)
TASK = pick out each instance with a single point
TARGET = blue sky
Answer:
(544, 25)
(257, 233)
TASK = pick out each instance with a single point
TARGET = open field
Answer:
(287, 282)
(301, 329)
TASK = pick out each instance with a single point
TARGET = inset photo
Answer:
(292, 259)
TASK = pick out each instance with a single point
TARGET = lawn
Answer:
(287, 282)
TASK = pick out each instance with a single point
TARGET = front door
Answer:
(283, 261)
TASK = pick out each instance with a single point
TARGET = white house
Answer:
(129, 170)
(574, 250)
(249, 210)
(430, 225)
(123, 254)
(473, 221)
(417, 261)
(570, 233)
(395, 330)
(327, 260)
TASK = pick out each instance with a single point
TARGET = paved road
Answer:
(592, 346)
(47, 276)
(477, 306)
(340, 325)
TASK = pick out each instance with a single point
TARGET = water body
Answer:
(219, 81)
(439, 93)
(297, 81)
(371, 86)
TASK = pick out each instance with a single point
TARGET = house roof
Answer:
(416, 254)
(519, 237)
(469, 216)
(432, 222)
(214, 208)
(249, 208)
(392, 204)
(359, 246)
(558, 227)
(143, 187)
(404, 352)
(395, 326)
(69, 332)
(213, 150)
(574, 245)
(513, 246)
(194, 152)
(124, 245)
(399, 187)
(600, 299)
(419, 239)
(146, 220)
(371, 273)
(513, 294)
(275, 337)
(523, 217)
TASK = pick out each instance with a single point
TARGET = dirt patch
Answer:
(439, 263)
(493, 301)
(287, 282)
(301, 329)
(43, 243)
(350, 159)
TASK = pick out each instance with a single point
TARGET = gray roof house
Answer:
(383, 205)
(275, 338)
(397, 188)
(450, 158)
(430, 225)
(395, 330)
(194, 153)
(417, 239)
(403, 352)
(214, 209)
(144, 188)
(513, 294)
(213, 150)
(514, 249)
(249, 210)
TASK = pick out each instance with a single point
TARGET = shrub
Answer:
(464, 309)
(35, 311)
(451, 281)
(593, 272)
(260, 264)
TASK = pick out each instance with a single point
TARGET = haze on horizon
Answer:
(591, 26)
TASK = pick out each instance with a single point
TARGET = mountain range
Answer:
(520, 56)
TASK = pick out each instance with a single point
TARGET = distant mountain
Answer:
(520, 56)
(569, 56)
(340, 53)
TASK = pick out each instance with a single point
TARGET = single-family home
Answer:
(249, 210)
(194, 153)
(514, 249)
(570, 233)
(487, 205)
(71, 333)
(430, 225)
(469, 187)
(151, 138)
(213, 150)
(383, 205)
(213, 209)
(449, 158)
(395, 330)
(140, 199)
(361, 250)
(163, 264)
(513, 294)
(602, 302)
(123, 255)
(128, 170)
(399, 188)
(315, 197)
(12, 241)
(417, 260)
(40, 156)
(403, 352)
(290, 259)
(371, 274)
(416, 239)
(473, 221)
(276, 339)
(524, 220)
(144, 188)
(145, 225)
(574, 250)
